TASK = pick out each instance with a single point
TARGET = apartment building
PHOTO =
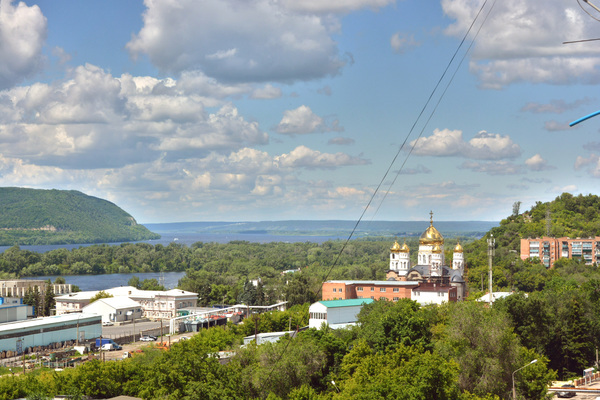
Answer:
(549, 249)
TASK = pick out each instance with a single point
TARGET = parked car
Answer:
(107, 323)
(567, 394)
(110, 347)
(183, 338)
(148, 338)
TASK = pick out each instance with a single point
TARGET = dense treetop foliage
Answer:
(463, 351)
(34, 217)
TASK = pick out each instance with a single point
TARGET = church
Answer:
(431, 265)
(431, 280)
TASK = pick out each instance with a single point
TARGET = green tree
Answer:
(49, 302)
(384, 324)
(100, 295)
(481, 341)
(299, 290)
(151, 284)
(32, 298)
(404, 373)
(135, 282)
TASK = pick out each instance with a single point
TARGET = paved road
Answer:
(118, 354)
(584, 396)
(123, 330)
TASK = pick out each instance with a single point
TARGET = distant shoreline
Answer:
(188, 233)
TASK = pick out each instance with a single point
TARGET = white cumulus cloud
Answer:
(238, 40)
(22, 35)
(334, 6)
(302, 120)
(537, 163)
(305, 157)
(401, 42)
(450, 143)
(493, 167)
(522, 41)
(591, 164)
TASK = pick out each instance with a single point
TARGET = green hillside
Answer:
(565, 216)
(36, 217)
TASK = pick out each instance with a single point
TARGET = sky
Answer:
(247, 110)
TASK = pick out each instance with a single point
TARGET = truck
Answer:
(107, 344)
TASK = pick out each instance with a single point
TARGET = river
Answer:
(170, 279)
(107, 281)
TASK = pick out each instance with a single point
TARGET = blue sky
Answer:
(233, 110)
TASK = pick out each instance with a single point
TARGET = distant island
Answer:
(46, 217)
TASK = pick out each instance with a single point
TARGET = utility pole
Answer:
(491, 249)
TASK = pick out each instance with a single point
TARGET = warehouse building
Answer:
(49, 331)
(335, 313)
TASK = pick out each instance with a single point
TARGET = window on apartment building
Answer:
(334, 290)
(359, 289)
(341, 290)
(395, 299)
(372, 289)
(396, 289)
(359, 297)
(373, 297)
(381, 297)
(382, 289)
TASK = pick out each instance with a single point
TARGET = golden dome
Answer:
(458, 248)
(395, 248)
(405, 248)
(436, 249)
(431, 236)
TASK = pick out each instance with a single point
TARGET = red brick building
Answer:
(389, 290)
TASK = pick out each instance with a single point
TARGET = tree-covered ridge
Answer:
(567, 215)
(34, 217)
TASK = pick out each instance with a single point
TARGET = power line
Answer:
(394, 160)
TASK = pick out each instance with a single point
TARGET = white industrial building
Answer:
(20, 287)
(17, 336)
(335, 313)
(115, 309)
(18, 312)
(155, 304)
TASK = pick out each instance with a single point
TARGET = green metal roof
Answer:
(345, 303)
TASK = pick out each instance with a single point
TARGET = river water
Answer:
(103, 282)
(168, 279)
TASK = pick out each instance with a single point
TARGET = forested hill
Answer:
(35, 217)
(567, 215)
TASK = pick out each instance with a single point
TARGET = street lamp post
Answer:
(491, 244)
(513, 378)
